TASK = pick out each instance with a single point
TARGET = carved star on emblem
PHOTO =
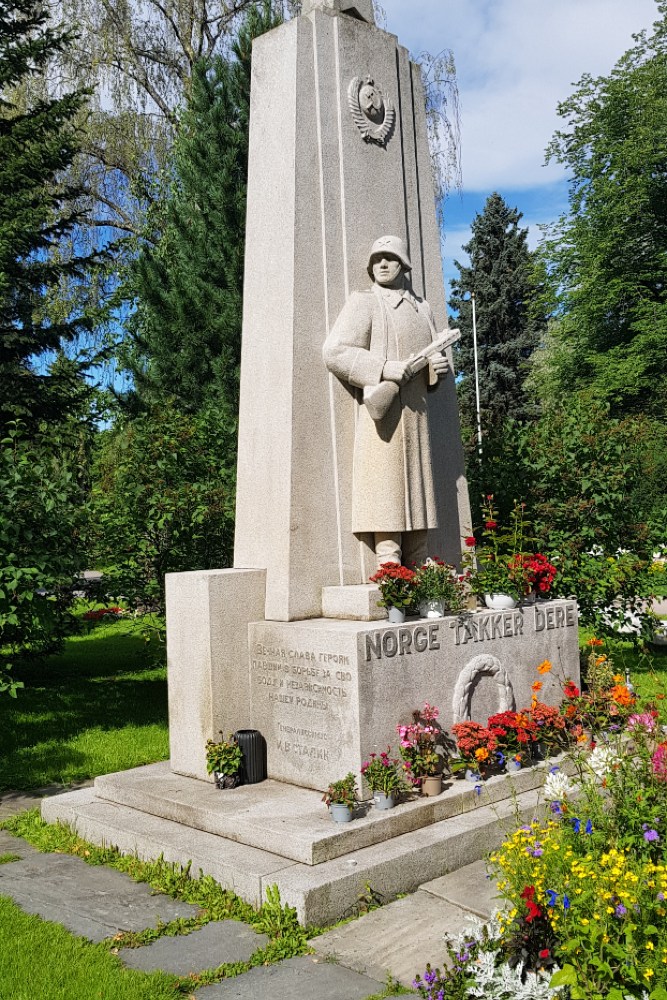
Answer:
(373, 114)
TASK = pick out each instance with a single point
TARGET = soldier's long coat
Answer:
(393, 481)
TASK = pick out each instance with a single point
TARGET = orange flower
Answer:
(571, 711)
(481, 754)
(536, 686)
(621, 695)
(600, 659)
(595, 642)
(617, 678)
(544, 667)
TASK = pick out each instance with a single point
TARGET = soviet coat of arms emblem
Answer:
(373, 114)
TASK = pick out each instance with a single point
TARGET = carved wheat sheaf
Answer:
(372, 131)
(487, 666)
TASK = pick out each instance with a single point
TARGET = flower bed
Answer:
(586, 880)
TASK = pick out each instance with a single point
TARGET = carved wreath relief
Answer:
(373, 114)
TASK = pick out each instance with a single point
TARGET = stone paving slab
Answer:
(15, 845)
(94, 902)
(469, 888)
(304, 978)
(398, 939)
(214, 944)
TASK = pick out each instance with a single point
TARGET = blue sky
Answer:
(515, 60)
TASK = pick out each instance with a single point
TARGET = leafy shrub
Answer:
(163, 501)
(41, 543)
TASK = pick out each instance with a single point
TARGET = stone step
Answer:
(274, 813)
(321, 894)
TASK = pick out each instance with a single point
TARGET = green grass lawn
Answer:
(97, 707)
(40, 960)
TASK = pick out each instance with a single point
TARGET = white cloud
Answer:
(516, 59)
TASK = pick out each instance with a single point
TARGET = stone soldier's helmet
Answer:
(393, 245)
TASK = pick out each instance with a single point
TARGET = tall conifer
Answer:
(501, 275)
(37, 211)
(188, 285)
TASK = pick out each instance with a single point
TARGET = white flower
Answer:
(602, 760)
(557, 786)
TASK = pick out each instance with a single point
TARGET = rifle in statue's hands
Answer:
(378, 398)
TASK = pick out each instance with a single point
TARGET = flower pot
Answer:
(253, 747)
(340, 813)
(224, 781)
(513, 764)
(472, 775)
(432, 784)
(499, 602)
(396, 615)
(382, 801)
(432, 609)
(539, 750)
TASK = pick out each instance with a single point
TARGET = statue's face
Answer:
(387, 270)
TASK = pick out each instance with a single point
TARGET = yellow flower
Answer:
(648, 973)
(585, 921)
(649, 946)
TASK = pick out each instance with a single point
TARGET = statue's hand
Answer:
(396, 371)
(439, 364)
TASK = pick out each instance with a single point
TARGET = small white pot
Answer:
(499, 602)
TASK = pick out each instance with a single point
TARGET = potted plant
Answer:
(385, 776)
(396, 585)
(438, 589)
(498, 570)
(223, 761)
(419, 741)
(514, 732)
(341, 798)
(476, 746)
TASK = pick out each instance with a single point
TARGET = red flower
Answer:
(528, 892)
(571, 690)
(490, 525)
(533, 912)
(545, 953)
(470, 541)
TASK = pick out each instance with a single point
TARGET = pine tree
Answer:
(37, 211)
(188, 285)
(501, 275)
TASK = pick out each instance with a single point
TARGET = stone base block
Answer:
(320, 893)
(358, 603)
(207, 625)
(273, 813)
(326, 693)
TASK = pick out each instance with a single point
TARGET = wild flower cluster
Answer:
(595, 873)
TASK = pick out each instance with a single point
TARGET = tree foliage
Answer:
(163, 501)
(188, 286)
(41, 541)
(502, 277)
(38, 144)
(607, 255)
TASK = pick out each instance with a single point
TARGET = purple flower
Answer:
(537, 851)
(429, 977)
(660, 897)
(553, 896)
(589, 827)
(556, 809)
(576, 824)
(620, 910)
(651, 835)
(478, 789)
(566, 903)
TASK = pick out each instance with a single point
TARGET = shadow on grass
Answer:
(73, 703)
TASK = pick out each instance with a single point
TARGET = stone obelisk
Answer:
(338, 157)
